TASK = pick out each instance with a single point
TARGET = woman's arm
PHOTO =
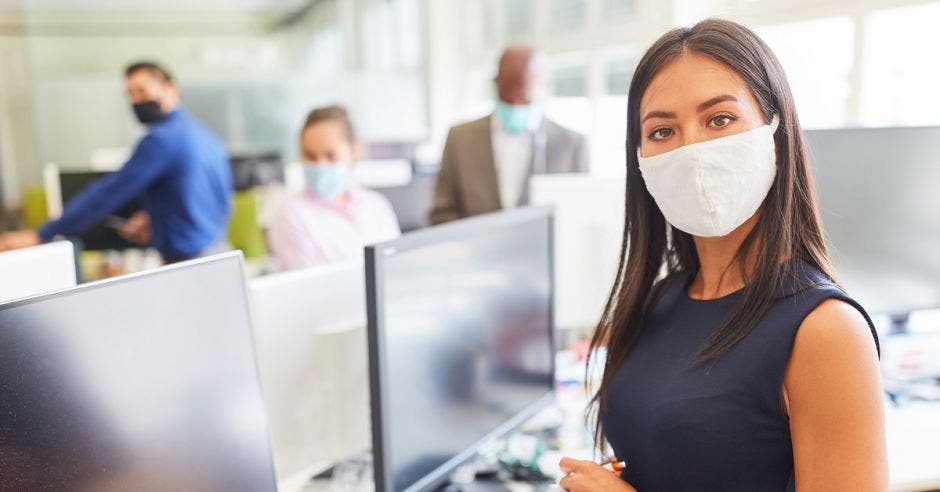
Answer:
(833, 393)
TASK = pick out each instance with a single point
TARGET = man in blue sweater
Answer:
(180, 167)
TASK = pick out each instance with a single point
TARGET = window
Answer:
(817, 56)
(568, 14)
(569, 104)
(569, 81)
(900, 76)
(576, 113)
(610, 116)
(518, 19)
(391, 35)
(619, 8)
(618, 71)
(608, 153)
(325, 53)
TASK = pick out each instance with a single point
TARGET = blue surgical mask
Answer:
(514, 117)
(327, 180)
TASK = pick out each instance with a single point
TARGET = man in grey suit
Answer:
(487, 162)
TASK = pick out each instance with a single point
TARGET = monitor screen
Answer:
(881, 212)
(251, 170)
(412, 202)
(460, 341)
(145, 383)
(99, 236)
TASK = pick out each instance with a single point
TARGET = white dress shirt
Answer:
(512, 155)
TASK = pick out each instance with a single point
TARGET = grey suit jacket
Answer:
(467, 183)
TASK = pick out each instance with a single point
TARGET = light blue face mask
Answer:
(514, 117)
(327, 180)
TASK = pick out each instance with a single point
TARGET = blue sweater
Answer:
(183, 172)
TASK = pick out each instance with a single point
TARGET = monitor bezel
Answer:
(378, 385)
(97, 284)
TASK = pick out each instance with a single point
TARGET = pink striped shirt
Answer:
(308, 230)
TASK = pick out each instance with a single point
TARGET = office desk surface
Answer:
(913, 432)
(913, 438)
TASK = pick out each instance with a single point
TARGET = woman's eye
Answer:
(721, 120)
(660, 133)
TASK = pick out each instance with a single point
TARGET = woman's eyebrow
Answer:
(659, 114)
(715, 100)
(701, 107)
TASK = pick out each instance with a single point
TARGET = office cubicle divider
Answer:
(589, 216)
(36, 270)
(310, 338)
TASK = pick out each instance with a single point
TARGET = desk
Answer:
(913, 435)
(913, 432)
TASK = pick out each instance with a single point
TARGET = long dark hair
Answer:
(789, 226)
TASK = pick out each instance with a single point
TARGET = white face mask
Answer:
(710, 188)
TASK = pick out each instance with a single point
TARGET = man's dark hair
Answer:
(153, 68)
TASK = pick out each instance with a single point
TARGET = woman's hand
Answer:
(588, 476)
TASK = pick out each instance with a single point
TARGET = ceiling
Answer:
(258, 6)
(151, 17)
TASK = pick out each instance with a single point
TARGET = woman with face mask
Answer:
(735, 361)
(333, 218)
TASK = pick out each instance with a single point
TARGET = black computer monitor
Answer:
(145, 383)
(100, 236)
(412, 202)
(460, 341)
(251, 170)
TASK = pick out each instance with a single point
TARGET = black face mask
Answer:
(148, 112)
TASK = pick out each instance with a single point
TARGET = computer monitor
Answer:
(881, 211)
(460, 341)
(61, 186)
(310, 338)
(36, 270)
(146, 382)
(588, 237)
(259, 169)
(412, 202)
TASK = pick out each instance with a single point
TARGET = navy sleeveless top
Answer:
(681, 424)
